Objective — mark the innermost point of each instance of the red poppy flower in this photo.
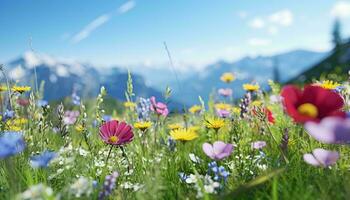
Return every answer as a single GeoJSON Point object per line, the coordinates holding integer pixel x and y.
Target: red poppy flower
{"type": "Point", "coordinates": [116, 133]}
{"type": "Point", "coordinates": [311, 104]}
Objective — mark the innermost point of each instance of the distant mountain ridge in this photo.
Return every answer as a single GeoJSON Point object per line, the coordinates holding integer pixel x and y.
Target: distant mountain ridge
{"type": "Point", "coordinates": [248, 69]}
{"type": "Point", "coordinates": [62, 77]}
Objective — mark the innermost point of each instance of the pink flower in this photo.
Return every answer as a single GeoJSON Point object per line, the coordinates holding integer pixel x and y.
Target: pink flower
{"type": "Point", "coordinates": [116, 133]}
{"type": "Point", "coordinates": [321, 157]}
{"type": "Point", "coordinates": [159, 107]}
{"type": "Point", "coordinates": [70, 117]}
{"type": "Point", "coordinates": [226, 92]}
{"type": "Point", "coordinates": [218, 150]}
{"type": "Point", "coordinates": [331, 130]}
{"type": "Point", "coordinates": [258, 144]}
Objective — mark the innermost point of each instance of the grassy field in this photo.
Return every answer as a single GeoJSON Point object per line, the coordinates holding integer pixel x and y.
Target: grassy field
{"type": "Point", "coordinates": [165, 159]}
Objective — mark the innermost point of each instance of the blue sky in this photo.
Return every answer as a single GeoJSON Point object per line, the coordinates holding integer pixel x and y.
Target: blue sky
{"type": "Point", "coordinates": [197, 32]}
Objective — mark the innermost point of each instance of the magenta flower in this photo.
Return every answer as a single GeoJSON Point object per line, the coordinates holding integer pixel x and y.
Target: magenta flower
{"type": "Point", "coordinates": [321, 157]}
{"type": "Point", "coordinates": [116, 133]}
{"type": "Point", "coordinates": [225, 92]}
{"type": "Point", "coordinates": [218, 150]}
{"type": "Point", "coordinates": [159, 107]}
{"type": "Point", "coordinates": [258, 144]}
{"type": "Point", "coordinates": [331, 130]}
{"type": "Point", "coordinates": [70, 117]}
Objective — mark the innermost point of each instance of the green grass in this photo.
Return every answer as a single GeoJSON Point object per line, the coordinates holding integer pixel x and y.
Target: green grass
{"type": "Point", "coordinates": [155, 167]}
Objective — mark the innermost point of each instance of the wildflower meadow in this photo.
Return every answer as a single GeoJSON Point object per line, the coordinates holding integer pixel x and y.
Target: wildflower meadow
{"type": "Point", "coordinates": [282, 142]}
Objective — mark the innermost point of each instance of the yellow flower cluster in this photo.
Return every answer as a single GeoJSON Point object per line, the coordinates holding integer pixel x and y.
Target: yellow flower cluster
{"type": "Point", "coordinates": [175, 126]}
{"type": "Point", "coordinates": [20, 89]}
{"type": "Point", "coordinates": [195, 109]}
{"type": "Point", "coordinates": [129, 104]}
{"type": "Point", "coordinates": [251, 87]}
{"type": "Point", "coordinates": [16, 124]}
{"type": "Point", "coordinates": [215, 123]}
{"type": "Point", "coordinates": [183, 134]}
{"type": "Point", "coordinates": [142, 125]}
{"type": "Point", "coordinates": [223, 106]}
{"type": "Point", "coordinates": [329, 85]}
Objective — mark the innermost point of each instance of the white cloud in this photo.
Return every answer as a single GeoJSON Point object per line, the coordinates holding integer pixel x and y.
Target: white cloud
{"type": "Point", "coordinates": [341, 9]}
{"type": "Point", "coordinates": [126, 7]}
{"type": "Point", "coordinates": [85, 32]}
{"type": "Point", "coordinates": [242, 14]}
{"type": "Point", "coordinates": [257, 23]}
{"type": "Point", "coordinates": [282, 18]}
{"type": "Point", "coordinates": [258, 42]}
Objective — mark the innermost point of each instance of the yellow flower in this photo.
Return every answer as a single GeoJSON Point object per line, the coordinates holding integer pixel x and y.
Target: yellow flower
{"type": "Point", "coordinates": [227, 77]}
{"type": "Point", "coordinates": [195, 109]}
{"type": "Point", "coordinates": [183, 134]}
{"type": "Point", "coordinates": [223, 106]}
{"type": "Point", "coordinates": [236, 110]}
{"type": "Point", "coordinates": [256, 103]}
{"type": "Point", "coordinates": [215, 123]}
{"type": "Point", "coordinates": [175, 126]}
{"type": "Point", "coordinates": [3, 88]}
{"type": "Point", "coordinates": [21, 89]}
{"type": "Point", "coordinates": [194, 128]}
{"type": "Point", "coordinates": [129, 104]}
{"type": "Point", "coordinates": [79, 128]}
{"type": "Point", "coordinates": [142, 125]}
{"type": "Point", "coordinates": [329, 85]}
{"type": "Point", "coordinates": [251, 87]}
{"type": "Point", "coordinates": [16, 124]}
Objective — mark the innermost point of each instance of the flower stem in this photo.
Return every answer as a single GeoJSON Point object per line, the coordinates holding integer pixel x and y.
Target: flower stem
{"type": "Point", "coordinates": [126, 157]}
{"type": "Point", "coordinates": [109, 153]}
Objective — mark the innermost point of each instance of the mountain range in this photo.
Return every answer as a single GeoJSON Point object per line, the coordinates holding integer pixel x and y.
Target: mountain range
{"type": "Point", "coordinates": [248, 69]}
{"type": "Point", "coordinates": [62, 76]}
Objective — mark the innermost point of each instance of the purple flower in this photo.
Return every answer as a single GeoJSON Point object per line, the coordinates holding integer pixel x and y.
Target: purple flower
{"type": "Point", "coordinates": [43, 159]}
{"type": "Point", "coordinates": [321, 157]}
{"type": "Point", "coordinates": [218, 150]}
{"type": "Point", "coordinates": [225, 92]}
{"type": "Point", "coordinates": [108, 185]}
{"type": "Point", "coordinates": [223, 113]}
{"type": "Point", "coordinates": [331, 130]}
{"type": "Point", "coordinates": [258, 144]}
{"type": "Point", "coordinates": [11, 143]}
{"type": "Point", "coordinates": [70, 117]}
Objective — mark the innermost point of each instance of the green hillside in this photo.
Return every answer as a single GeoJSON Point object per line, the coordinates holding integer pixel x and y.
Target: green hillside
{"type": "Point", "coordinates": [333, 67]}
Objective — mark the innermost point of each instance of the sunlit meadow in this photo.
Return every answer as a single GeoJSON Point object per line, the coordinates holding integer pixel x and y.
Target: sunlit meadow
{"type": "Point", "coordinates": [285, 143]}
{"type": "Point", "coordinates": [174, 100]}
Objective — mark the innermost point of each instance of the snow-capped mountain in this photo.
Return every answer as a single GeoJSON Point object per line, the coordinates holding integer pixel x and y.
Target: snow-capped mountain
{"type": "Point", "coordinates": [62, 76]}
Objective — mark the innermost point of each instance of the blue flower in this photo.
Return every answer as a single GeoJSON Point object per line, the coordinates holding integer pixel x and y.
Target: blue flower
{"type": "Point", "coordinates": [8, 114]}
{"type": "Point", "coordinates": [42, 103]}
{"type": "Point", "coordinates": [11, 143]}
{"type": "Point", "coordinates": [75, 99]}
{"type": "Point", "coordinates": [43, 159]}
{"type": "Point", "coordinates": [107, 118]}
{"type": "Point", "coordinates": [143, 109]}
{"type": "Point", "coordinates": [183, 176]}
